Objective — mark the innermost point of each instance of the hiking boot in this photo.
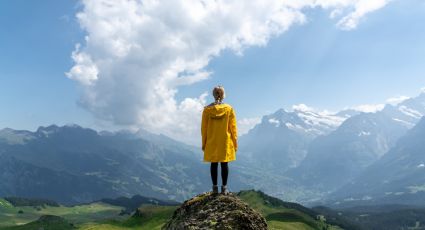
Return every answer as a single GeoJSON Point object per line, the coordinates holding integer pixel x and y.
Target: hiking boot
{"type": "Point", "coordinates": [224, 190]}
{"type": "Point", "coordinates": [214, 189]}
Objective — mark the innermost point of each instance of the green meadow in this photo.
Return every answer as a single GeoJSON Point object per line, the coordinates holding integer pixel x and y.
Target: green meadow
{"type": "Point", "coordinates": [101, 216]}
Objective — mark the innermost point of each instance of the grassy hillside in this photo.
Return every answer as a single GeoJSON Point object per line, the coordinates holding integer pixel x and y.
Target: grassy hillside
{"type": "Point", "coordinates": [101, 216]}
{"type": "Point", "coordinates": [388, 217]}
{"type": "Point", "coordinates": [10, 215]}
{"type": "Point", "coordinates": [283, 215]}
{"type": "Point", "coordinates": [46, 222]}
{"type": "Point", "coordinates": [147, 217]}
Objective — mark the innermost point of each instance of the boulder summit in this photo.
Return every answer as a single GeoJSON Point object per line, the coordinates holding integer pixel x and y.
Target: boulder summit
{"type": "Point", "coordinates": [208, 211]}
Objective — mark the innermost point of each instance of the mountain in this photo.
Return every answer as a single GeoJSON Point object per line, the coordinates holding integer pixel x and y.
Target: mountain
{"type": "Point", "coordinates": [278, 143]}
{"type": "Point", "coordinates": [19, 178]}
{"type": "Point", "coordinates": [339, 157]}
{"type": "Point", "coordinates": [72, 164]}
{"type": "Point", "coordinates": [281, 140]}
{"type": "Point", "coordinates": [408, 112]}
{"type": "Point", "coordinates": [335, 159]}
{"type": "Point", "coordinates": [398, 177]}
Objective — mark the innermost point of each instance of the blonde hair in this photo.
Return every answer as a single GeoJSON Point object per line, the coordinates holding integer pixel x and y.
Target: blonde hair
{"type": "Point", "coordinates": [218, 93]}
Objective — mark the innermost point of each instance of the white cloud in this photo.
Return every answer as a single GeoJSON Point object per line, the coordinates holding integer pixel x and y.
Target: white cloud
{"type": "Point", "coordinates": [85, 71]}
{"type": "Point", "coordinates": [369, 108]}
{"type": "Point", "coordinates": [245, 124]}
{"type": "Point", "coordinates": [423, 90]}
{"type": "Point", "coordinates": [396, 100]}
{"type": "Point", "coordinates": [361, 8]}
{"type": "Point", "coordinates": [136, 54]}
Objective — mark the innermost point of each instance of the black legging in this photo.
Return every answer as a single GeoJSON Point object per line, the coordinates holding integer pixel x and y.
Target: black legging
{"type": "Point", "coordinates": [224, 172]}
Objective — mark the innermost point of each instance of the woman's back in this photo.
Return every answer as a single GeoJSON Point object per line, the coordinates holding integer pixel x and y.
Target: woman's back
{"type": "Point", "coordinates": [219, 133]}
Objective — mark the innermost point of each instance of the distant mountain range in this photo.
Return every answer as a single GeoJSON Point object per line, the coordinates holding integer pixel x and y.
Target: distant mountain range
{"type": "Point", "coordinates": [339, 157]}
{"type": "Point", "coordinates": [397, 177]}
{"type": "Point", "coordinates": [281, 140]}
{"type": "Point", "coordinates": [298, 155]}
{"type": "Point", "coordinates": [336, 159]}
{"type": "Point", "coordinates": [316, 154]}
{"type": "Point", "coordinates": [72, 164]}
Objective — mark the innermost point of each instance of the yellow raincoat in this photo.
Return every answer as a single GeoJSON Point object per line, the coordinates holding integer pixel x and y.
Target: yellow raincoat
{"type": "Point", "coordinates": [219, 133]}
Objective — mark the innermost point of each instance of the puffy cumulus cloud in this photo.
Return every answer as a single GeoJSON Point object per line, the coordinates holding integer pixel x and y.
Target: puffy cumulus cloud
{"type": "Point", "coordinates": [86, 71]}
{"type": "Point", "coordinates": [245, 124]}
{"type": "Point", "coordinates": [396, 100]}
{"type": "Point", "coordinates": [136, 53]}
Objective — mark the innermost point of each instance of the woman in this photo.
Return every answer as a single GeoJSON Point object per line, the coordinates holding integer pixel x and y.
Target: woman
{"type": "Point", "coordinates": [219, 137]}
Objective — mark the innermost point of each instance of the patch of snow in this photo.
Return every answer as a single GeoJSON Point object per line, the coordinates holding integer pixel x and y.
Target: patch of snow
{"type": "Point", "coordinates": [363, 133]}
{"type": "Point", "coordinates": [367, 198]}
{"type": "Point", "coordinates": [296, 127]}
{"type": "Point", "coordinates": [408, 124]}
{"type": "Point", "coordinates": [289, 125]}
{"type": "Point", "coordinates": [315, 119]}
{"type": "Point", "coordinates": [302, 108]}
{"type": "Point", "coordinates": [416, 189]}
{"type": "Point", "coordinates": [274, 121]}
{"type": "Point", "coordinates": [307, 120]}
{"type": "Point", "coordinates": [369, 108]}
{"type": "Point", "coordinates": [410, 112]}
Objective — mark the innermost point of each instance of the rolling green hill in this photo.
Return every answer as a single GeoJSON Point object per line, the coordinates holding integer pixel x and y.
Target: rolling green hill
{"type": "Point", "coordinates": [11, 216]}
{"type": "Point", "coordinates": [46, 222]}
{"type": "Point", "coordinates": [283, 215]}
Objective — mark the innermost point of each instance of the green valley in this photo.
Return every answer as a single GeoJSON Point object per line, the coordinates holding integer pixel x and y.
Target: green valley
{"type": "Point", "coordinates": [99, 215]}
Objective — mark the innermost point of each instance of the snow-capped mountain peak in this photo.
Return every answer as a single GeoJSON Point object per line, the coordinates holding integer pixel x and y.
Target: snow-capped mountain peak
{"type": "Point", "coordinates": [304, 119]}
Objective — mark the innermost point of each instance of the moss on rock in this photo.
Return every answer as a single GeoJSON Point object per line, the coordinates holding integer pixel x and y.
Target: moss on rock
{"type": "Point", "coordinates": [208, 211]}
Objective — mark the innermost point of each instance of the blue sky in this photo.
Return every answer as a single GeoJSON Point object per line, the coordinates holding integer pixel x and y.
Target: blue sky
{"type": "Point", "coordinates": [327, 68]}
{"type": "Point", "coordinates": [316, 63]}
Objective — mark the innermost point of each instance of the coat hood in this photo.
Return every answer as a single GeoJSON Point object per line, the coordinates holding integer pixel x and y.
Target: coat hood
{"type": "Point", "coordinates": [217, 111]}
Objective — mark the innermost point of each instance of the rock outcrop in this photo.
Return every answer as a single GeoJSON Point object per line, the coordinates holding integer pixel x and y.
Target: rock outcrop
{"type": "Point", "coordinates": [208, 211]}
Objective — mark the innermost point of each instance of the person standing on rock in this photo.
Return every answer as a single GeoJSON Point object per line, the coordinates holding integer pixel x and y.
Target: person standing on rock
{"type": "Point", "coordinates": [219, 137]}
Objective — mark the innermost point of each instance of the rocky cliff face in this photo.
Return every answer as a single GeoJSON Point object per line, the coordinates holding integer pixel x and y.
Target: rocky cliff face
{"type": "Point", "coordinates": [208, 211]}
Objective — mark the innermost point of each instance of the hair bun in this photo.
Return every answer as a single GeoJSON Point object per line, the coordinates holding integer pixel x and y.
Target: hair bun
{"type": "Point", "coordinates": [219, 93]}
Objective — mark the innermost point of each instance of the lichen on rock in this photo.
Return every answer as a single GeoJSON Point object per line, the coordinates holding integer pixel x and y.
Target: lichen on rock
{"type": "Point", "coordinates": [209, 211]}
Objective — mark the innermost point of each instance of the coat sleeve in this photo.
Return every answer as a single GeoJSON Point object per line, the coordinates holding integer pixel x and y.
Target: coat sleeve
{"type": "Point", "coordinates": [233, 129]}
{"type": "Point", "coordinates": [204, 126]}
